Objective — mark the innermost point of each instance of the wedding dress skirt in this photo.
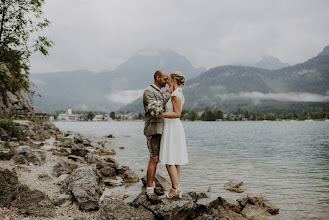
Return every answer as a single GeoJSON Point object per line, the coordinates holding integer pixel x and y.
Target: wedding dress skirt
{"type": "Point", "coordinates": [173, 144]}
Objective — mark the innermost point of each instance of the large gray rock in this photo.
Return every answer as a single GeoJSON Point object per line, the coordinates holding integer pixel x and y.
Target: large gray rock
{"type": "Point", "coordinates": [119, 210]}
{"type": "Point", "coordinates": [63, 167]}
{"type": "Point", "coordinates": [83, 183]}
{"type": "Point", "coordinates": [184, 208]}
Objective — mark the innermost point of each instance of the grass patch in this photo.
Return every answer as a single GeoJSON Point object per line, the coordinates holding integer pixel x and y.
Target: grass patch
{"type": "Point", "coordinates": [25, 187]}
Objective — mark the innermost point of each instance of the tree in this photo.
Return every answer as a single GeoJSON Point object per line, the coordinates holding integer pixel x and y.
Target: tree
{"type": "Point", "coordinates": [19, 21]}
{"type": "Point", "coordinates": [218, 113]}
{"type": "Point", "coordinates": [112, 115]}
{"type": "Point", "coordinates": [207, 115]}
{"type": "Point", "coordinates": [90, 116]}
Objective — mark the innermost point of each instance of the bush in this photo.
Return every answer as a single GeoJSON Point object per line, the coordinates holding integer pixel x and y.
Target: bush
{"type": "Point", "coordinates": [12, 129]}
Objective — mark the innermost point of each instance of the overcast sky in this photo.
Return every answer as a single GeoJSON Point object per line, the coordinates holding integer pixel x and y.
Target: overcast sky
{"type": "Point", "coordinates": [100, 34]}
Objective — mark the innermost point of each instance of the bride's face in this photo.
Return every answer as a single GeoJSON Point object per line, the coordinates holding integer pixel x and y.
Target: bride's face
{"type": "Point", "coordinates": [171, 81]}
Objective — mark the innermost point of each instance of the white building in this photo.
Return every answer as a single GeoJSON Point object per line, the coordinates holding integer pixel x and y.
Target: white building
{"type": "Point", "coordinates": [68, 116]}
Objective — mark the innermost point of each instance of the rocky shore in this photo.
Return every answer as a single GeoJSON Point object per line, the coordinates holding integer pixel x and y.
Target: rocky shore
{"type": "Point", "coordinates": [46, 173]}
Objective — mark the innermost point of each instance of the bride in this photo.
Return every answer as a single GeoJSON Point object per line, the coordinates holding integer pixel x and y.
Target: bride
{"type": "Point", "coordinates": [173, 151]}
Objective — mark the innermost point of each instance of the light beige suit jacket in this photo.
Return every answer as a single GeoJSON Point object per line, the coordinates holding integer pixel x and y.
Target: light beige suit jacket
{"type": "Point", "coordinates": [153, 125]}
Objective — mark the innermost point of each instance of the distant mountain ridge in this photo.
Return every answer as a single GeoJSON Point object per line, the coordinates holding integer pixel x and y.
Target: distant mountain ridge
{"type": "Point", "coordinates": [232, 87]}
{"type": "Point", "coordinates": [85, 90]}
{"type": "Point", "coordinates": [270, 63]}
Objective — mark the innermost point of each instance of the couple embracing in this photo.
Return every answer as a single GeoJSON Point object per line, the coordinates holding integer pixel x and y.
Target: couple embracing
{"type": "Point", "coordinates": [165, 133]}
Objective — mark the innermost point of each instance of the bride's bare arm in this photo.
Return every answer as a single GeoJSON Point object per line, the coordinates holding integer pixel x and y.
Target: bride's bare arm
{"type": "Point", "coordinates": [176, 103]}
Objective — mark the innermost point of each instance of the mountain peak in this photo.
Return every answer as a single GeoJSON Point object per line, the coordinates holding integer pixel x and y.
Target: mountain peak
{"type": "Point", "coordinates": [325, 51]}
{"type": "Point", "coordinates": [270, 62]}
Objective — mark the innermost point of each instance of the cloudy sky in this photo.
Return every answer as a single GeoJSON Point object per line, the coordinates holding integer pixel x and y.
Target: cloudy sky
{"type": "Point", "coordinates": [100, 34]}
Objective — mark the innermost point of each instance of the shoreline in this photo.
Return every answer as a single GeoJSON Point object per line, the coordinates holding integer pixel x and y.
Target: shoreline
{"type": "Point", "coordinates": [60, 146]}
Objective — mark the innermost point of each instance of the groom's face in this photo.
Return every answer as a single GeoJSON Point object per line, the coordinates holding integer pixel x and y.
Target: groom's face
{"type": "Point", "coordinates": [163, 79]}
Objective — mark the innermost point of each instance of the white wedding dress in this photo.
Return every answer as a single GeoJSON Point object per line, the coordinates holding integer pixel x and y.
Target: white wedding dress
{"type": "Point", "coordinates": [173, 144]}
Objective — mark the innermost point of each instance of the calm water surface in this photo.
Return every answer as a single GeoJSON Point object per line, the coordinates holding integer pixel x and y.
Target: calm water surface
{"type": "Point", "coordinates": [287, 162]}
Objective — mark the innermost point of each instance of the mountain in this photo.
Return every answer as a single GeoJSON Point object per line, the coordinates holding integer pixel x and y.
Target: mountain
{"type": "Point", "coordinates": [235, 87]}
{"type": "Point", "coordinates": [270, 63]}
{"type": "Point", "coordinates": [106, 91]}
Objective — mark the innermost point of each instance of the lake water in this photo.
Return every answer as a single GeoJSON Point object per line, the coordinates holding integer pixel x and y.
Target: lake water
{"type": "Point", "coordinates": [286, 162]}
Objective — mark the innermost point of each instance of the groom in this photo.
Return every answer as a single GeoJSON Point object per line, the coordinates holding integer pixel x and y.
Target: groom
{"type": "Point", "coordinates": [153, 128]}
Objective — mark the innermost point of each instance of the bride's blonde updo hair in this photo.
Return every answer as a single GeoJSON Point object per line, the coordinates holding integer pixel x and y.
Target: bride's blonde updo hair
{"type": "Point", "coordinates": [180, 78]}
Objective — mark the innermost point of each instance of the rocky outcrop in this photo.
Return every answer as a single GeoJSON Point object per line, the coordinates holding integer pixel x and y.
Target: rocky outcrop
{"type": "Point", "coordinates": [34, 203]}
{"type": "Point", "coordinates": [27, 156]}
{"type": "Point", "coordinates": [251, 206]}
{"type": "Point", "coordinates": [191, 206]}
{"type": "Point", "coordinates": [83, 183]}
{"type": "Point", "coordinates": [8, 186]}
{"type": "Point", "coordinates": [119, 210]}
{"type": "Point", "coordinates": [12, 193]}
{"type": "Point", "coordinates": [10, 100]}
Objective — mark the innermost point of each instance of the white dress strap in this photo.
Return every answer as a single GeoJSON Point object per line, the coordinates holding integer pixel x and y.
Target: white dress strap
{"type": "Point", "coordinates": [178, 93]}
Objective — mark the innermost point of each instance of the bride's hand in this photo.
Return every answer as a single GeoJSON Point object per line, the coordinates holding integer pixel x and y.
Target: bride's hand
{"type": "Point", "coordinates": [158, 116]}
{"type": "Point", "coordinates": [169, 89]}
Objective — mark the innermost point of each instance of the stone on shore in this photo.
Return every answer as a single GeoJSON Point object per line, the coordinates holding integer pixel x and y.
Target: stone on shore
{"type": "Point", "coordinates": [130, 177]}
{"type": "Point", "coordinates": [27, 156]}
{"type": "Point", "coordinates": [34, 203]}
{"type": "Point", "coordinates": [119, 210]}
{"type": "Point", "coordinates": [255, 212]}
{"type": "Point", "coordinates": [188, 207]}
{"type": "Point", "coordinates": [272, 209]}
{"type": "Point", "coordinates": [83, 183]}
{"type": "Point", "coordinates": [63, 200]}
{"type": "Point", "coordinates": [6, 154]}
{"type": "Point", "coordinates": [8, 186]}
{"type": "Point", "coordinates": [251, 206]}
{"type": "Point", "coordinates": [79, 150]}
{"type": "Point", "coordinates": [161, 183]}
{"type": "Point", "coordinates": [235, 186]}
{"type": "Point", "coordinates": [63, 167]}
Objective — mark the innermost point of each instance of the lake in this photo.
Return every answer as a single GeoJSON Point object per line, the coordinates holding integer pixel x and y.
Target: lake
{"type": "Point", "coordinates": [287, 162]}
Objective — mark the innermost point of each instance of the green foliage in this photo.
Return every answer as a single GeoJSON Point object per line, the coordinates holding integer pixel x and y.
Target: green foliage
{"type": "Point", "coordinates": [11, 128]}
{"type": "Point", "coordinates": [19, 21]}
{"type": "Point", "coordinates": [90, 116]}
{"type": "Point", "coordinates": [25, 187]}
{"type": "Point", "coordinates": [6, 144]}
{"type": "Point", "coordinates": [191, 115]}
{"type": "Point", "coordinates": [112, 115]}
{"type": "Point", "coordinates": [211, 115]}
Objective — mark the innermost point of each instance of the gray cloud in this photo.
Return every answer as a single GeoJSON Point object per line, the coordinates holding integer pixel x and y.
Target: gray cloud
{"type": "Point", "coordinates": [100, 34]}
{"type": "Point", "coordinates": [124, 97]}
{"type": "Point", "coordinates": [290, 96]}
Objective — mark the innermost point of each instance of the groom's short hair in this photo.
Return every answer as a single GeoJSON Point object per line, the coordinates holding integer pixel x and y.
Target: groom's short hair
{"type": "Point", "coordinates": [158, 73]}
